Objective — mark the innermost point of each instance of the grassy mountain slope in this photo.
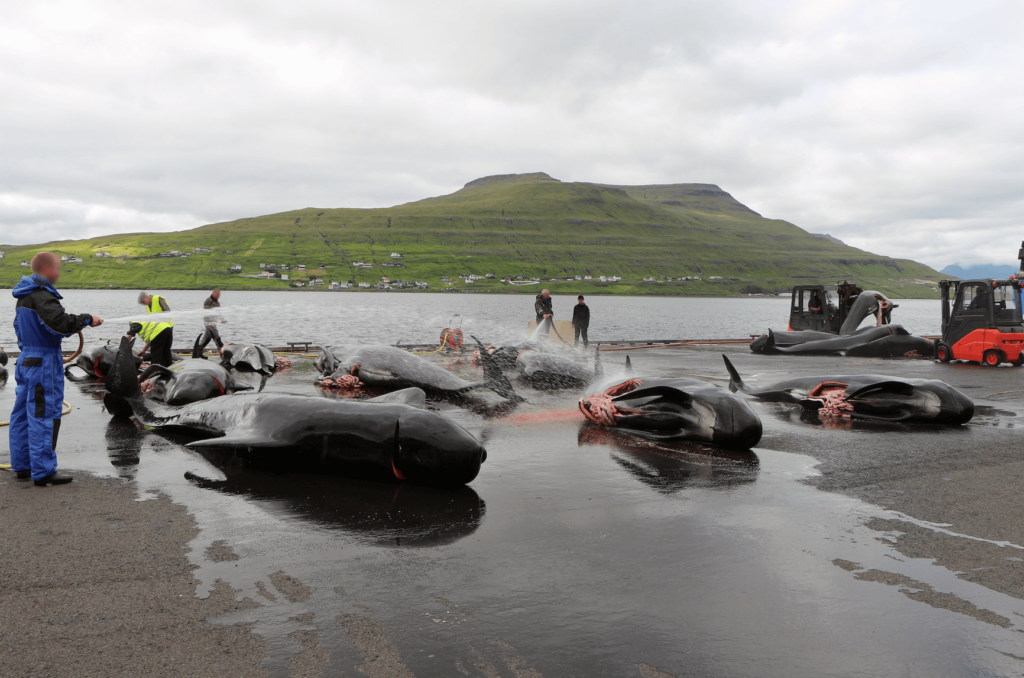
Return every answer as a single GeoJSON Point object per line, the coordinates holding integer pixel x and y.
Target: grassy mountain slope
{"type": "Point", "coordinates": [527, 224]}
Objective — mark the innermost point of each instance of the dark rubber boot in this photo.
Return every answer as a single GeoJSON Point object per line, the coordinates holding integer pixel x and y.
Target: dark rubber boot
{"type": "Point", "coordinates": [24, 475]}
{"type": "Point", "coordinates": [54, 479]}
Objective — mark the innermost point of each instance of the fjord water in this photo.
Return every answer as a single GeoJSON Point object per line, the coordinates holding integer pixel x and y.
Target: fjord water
{"type": "Point", "coordinates": [274, 318]}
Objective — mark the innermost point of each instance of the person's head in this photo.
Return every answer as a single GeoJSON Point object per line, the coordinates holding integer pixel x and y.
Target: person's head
{"type": "Point", "coordinates": [545, 294]}
{"type": "Point", "coordinates": [579, 299]}
{"type": "Point", "coordinates": [215, 294]}
{"type": "Point", "coordinates": [145, 298]}
{"type": "Point", "coordinates": [46, 265]}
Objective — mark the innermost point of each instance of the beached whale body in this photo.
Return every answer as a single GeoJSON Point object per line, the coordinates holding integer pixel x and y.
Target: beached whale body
{"type": "Point", "coordinates": [886, 341]}
{"type": "Point", "coordinates": [866, 396]}
{"type": "Point", "coordinates": [674, 409]}
{"type": "Point", "coordinates": [548, 370]}
{"type": "Point", "coordinates": [384, 437]}
{"type": "Point", "coordinates": [189, 381]}
{"type": "Point", "coordinates": [251, 357]}
{"type": "Point", "coordinates": [96, 361]}
{"type": "Point", "coordinates": [388, 367]}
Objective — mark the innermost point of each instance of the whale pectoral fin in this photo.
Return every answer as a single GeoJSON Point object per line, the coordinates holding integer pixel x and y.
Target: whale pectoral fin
{"type": "Point", "coordinates": [241, 386]}
{"type": "Point", "coordinates": [237, 441]}
{"type": "Point", "coordinates": [897, 387]}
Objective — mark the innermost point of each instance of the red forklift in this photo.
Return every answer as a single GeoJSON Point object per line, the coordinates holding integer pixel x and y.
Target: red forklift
{"type": "Point", "coordinates": [813, 309]}
{"type": "Point", "coordinates": [984, 324]}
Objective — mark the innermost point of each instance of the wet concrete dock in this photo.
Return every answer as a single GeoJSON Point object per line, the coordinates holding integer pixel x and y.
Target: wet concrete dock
{"type": "Point", "coordinates": [830, 550]}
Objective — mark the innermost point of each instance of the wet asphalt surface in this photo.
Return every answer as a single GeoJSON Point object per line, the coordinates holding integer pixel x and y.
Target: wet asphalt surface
{"type": "Point", "coordinates": [829, 550]}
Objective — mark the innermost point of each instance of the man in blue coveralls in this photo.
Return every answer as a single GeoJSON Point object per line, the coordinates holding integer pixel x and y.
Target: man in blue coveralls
{"type": "Point", "coordinates": [41, 325]}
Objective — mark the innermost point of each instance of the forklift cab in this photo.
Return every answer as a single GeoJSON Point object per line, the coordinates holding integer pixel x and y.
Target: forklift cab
{"type": "Point", "coordinates": [813, 309]}
{"type": "Point", "coordinates": [983, 323]}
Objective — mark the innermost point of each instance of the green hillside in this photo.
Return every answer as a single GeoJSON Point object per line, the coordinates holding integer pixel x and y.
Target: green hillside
{"type": "Point", "coordinates": [528, 225]}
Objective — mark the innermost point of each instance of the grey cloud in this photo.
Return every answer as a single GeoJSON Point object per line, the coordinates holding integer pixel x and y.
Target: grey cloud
{"type": "Point", "coordinates": [894, 126]}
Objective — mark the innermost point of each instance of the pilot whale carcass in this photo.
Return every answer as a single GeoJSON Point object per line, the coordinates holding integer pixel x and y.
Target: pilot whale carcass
{"type": "Point", "coordinates": [885, 341]}
{"type": "Point", "coordinates": [189, 381]}
{"type": "Point", "coordinates": [866, 396]}
{"type": "Point", "coordinates": [673, 409]}
{"type": "Point", "coordinates": [250, 357]}
{"type": "Point", "coordinates": [384, 436]}
{"type": "Point", "coordinates": [96, 361]}
{"type": "Point", "coordinates": [389, 367]}
{"type": "Point", "coordinates": [548, 370]}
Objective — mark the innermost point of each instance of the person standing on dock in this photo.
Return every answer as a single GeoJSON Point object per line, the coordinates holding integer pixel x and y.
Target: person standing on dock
{"type": "Point", "coordinates": [580, 321]}
{"type": "Point", "coordinates": [158, 334]}
{"type": "Point", "coordinates": [41, 325]}
{"type": "Point", "coordinates": [543, 306]}
{"type": "Point", "coordinates": [210, 331]}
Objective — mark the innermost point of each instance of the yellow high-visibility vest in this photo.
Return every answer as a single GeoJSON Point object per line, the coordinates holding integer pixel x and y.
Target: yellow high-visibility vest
{"type": "Point", "coordinates": [150, 330]}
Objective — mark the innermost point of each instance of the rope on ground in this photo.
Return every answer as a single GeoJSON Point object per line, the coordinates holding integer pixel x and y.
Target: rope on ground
{"type": "Point", "coordinates": [66, 410]}
{"type": "Point", "coordinates": [440, 348]}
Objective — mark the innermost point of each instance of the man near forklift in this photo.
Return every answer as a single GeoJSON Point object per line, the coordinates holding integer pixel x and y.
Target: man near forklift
{"type": "Point", "coordinates": [979, 303]}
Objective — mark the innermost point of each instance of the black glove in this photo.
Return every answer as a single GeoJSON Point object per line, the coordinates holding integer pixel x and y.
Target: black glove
{"type": "Point", "coordinates": [134, 329]}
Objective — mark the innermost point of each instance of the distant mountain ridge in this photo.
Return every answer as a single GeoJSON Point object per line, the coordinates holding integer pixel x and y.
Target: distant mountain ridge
{"type": "Point", "coordinates": [529, 225]}
{"type": "Point", "coordinates": [981, 271]}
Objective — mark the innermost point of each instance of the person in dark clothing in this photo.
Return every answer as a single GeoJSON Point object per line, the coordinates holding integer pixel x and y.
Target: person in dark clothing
{"type": "Point", "coordinates": [41, 325]}
{"type": "Point", "coordinates": [980, 299]}
{"type": "Point", "coordinates": [581, 321]}
{"type": "Point", "coordinates": [210, 332]}
{"type": "Point", "coordinates": [542, 306]}
{"type": "Point", "coordinates": [158, 335]}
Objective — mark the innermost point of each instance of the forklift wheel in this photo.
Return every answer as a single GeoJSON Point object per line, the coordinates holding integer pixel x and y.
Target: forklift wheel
{"type": "Point", "coordinates": [943, 353]}
{"type": "Point", "coordinates": [1019, 361]}
{"type": "Point", "coordinates": [992, 357]}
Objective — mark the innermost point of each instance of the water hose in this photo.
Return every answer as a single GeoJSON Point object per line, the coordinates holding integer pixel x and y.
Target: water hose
{"type": "Point", "coordinates": [81, 345]}
{"type": "Point", "coordinates": [65, 410]}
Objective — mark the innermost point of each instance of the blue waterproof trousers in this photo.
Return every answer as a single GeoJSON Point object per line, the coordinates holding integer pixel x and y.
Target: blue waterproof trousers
{"type": "Point", "coordinates": [35, 421]}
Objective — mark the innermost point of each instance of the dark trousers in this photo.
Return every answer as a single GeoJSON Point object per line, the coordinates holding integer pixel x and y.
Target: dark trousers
{"type": "Point", "coordinates": [160, 348]}
{"type": "Point", "coordinates": [580, 332]}
{"type": "Point", "coordinates": [211, 333]}
{"type": "Point", "coordinates": [35, 420]}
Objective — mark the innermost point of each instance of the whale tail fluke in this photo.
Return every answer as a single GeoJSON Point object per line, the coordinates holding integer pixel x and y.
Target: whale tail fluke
{"type": "Point", "coordinates": [494, 378]}
{"type": "Point", "coordinates": [735, 380]}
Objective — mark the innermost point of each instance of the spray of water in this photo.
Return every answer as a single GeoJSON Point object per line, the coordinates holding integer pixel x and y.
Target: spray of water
{"type": "Point", "coordinates": [169, 317]}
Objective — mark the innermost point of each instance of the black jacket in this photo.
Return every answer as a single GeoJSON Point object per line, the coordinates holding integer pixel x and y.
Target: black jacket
{"type": "Point", "coordinates": [49, 309]}
{"type": "Point", "coordinates": [581, 315]}
{"type": "Point", "coordinates": [543, 307]}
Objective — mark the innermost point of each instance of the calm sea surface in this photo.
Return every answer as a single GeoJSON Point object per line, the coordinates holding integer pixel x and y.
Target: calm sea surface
{"type": "Point", "coordinates": [274, 318]}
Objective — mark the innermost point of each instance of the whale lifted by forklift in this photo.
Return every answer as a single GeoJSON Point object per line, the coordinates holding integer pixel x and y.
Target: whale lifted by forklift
{"type": "Point", "coordinates": [984, 322]}
{"type": "Point", "coordinates": [817, 326]}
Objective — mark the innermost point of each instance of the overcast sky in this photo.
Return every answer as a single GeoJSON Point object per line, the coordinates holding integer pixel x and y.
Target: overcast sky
{"type": "Point", "coordinates": [897, 127]}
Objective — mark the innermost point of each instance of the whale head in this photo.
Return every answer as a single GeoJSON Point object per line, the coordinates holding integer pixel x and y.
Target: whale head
{"type": "Point", "coordinates": [431, 448]}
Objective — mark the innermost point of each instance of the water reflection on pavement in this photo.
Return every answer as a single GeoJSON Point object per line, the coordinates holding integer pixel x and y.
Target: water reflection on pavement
{"type": "Point", "coordinates": [582, 551]}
